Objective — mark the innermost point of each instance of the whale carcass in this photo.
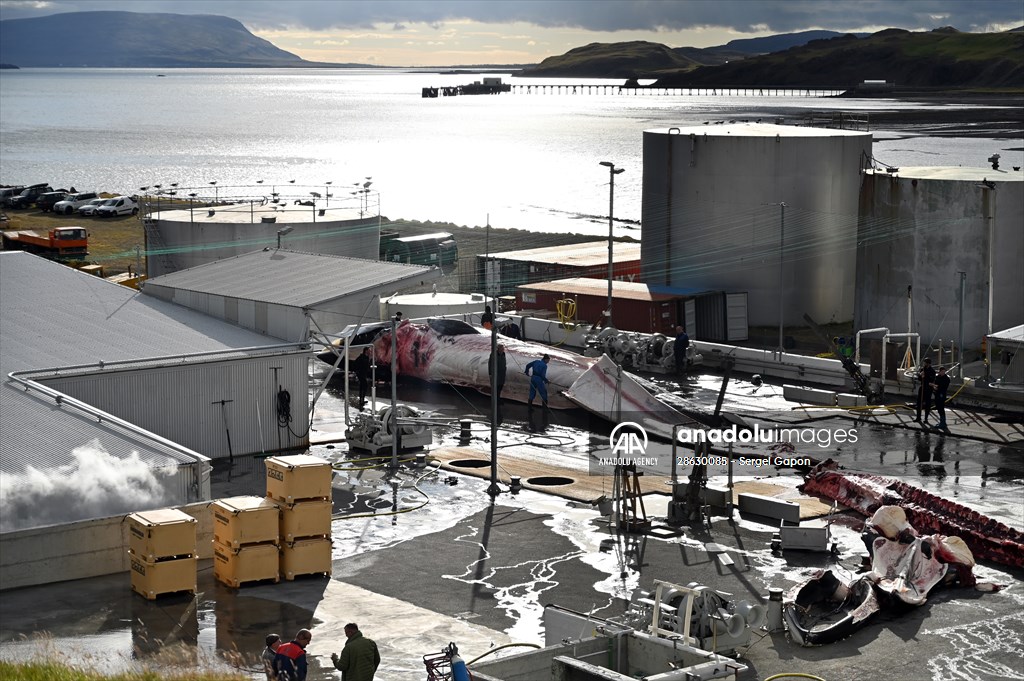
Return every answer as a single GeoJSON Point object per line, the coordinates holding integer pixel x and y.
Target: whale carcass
{"type": "Point", "coordinates": [454, 352]}
{"type": "Point", "coordinates": [905, 567]}
{"type": "Point", "coordinates": [987, 538]}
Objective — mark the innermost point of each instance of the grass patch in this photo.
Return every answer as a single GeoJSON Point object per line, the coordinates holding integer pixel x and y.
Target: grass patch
{"type": "Point", "coordinates": [55, 671]}
{"type": "Point", "coordinates": [112, 241]}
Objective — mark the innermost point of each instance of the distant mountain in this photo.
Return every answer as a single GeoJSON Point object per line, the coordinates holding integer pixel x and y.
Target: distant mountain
{"type": "Point", "coordinates": [639, 59]}
{"type": "Point", "coordinates": [943, 58]}
{"type": "Point", "coordinates": [130, 39]}
{"type": "Point", "coordinates": [777, 43]}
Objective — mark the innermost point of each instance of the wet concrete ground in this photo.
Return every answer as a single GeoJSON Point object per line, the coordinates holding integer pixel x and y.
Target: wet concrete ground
{"type": "Point", "coordinates": [461, 567]}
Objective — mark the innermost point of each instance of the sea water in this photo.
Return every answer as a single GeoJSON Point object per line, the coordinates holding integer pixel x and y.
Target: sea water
{"type": "Point", "coordinates": [527, 161]}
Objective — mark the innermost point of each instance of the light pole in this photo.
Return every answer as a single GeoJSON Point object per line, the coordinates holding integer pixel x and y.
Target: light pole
{"type": "Point", "coordinates": [782, 242]}
{"type": "Point", "coordinates": [612, 172]}
{"type": "Point", "coordinates": [280, 233]}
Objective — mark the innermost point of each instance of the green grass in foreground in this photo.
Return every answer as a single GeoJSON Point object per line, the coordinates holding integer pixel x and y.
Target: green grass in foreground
{"type": "Point", "coordinates": [53, 671]}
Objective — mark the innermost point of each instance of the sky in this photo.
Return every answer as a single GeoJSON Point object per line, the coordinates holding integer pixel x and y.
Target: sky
{"type": "Point", "coordinates": [477, 32]}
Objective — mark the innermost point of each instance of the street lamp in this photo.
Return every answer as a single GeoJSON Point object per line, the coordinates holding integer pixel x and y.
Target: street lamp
{"type": "Point", "coordinates": [612, 172]}
{"type": "Point", "coordinates": [280, 233]}
{"type": "Point", "coordinates": [782, 241]}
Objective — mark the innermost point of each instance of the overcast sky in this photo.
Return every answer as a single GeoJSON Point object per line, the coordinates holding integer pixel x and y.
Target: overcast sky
{"type": "Point", "coordinates": [450, 32]}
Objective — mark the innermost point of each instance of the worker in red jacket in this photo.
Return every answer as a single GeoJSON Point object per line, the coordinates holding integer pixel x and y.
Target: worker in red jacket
{"type": "Point", "coordinates": [290, 661]}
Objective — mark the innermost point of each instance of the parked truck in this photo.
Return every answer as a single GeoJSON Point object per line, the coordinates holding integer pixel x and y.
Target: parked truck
{"type": "Point", "coordinates": [61, 243]}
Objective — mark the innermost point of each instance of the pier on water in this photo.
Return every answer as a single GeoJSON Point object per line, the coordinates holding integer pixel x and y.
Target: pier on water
{"type": "Point", "coordinates": [655, 91]}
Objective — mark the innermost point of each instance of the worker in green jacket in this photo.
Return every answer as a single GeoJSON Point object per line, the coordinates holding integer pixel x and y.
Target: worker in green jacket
{"type": "Point", "coordinates": [359, 658]}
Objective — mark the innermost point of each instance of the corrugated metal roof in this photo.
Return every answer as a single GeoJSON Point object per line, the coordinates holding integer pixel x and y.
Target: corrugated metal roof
{"type": "Point", "coordinates": [575, 255]}
{"type": "Point", "coordinates": [627, 290]}
{"type": "Point", "coordinates": [1014, 334]}
{"type": "Point", "coordinates": [292, 278]}
{"type": "Point", "coordinates": [55, 316]}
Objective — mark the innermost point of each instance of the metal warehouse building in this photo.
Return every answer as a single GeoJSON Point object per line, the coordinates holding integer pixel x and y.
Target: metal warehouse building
{"type": "Point", "coordinates": [921, 228]}
{"type": "Point", "coordinates": [714, 219]}
{"type": "Point", "coordinates": [114, 401]}
{"type": "Point", "coordinates": [291, 295]}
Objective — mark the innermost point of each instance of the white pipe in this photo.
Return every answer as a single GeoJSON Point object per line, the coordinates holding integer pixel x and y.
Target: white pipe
{"type": "Point", "coordinates": [856, 352]}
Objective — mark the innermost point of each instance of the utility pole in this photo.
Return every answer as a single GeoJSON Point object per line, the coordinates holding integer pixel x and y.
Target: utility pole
{"type": "Point", "coordinates": [612, 172]}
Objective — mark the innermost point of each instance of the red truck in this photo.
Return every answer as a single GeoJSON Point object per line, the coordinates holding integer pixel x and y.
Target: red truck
{"type": "Point", "coordinates": [62, 243]}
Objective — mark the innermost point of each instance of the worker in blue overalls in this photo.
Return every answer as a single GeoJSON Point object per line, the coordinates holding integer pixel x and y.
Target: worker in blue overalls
{"type": "Point", "coordinates": [537, 370]}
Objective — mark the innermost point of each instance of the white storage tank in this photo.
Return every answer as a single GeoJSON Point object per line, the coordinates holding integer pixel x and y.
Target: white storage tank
{"type": "Point", "coordinates": [713, 219]}
{"type": "Point", "coordinates": [182, 238]}
{"type": "Point", "coordinates": [920, 228]}
{"type": "Point", "coordinates": [419, 305]}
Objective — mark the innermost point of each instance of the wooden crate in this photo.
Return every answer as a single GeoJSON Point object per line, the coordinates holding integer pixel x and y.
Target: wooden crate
{"type": "Point", "coordinates": [238, 521]}
{"type": "Point", "coordinates": [253, 563]}
{"type": "Point", "coordinates": [152, 579]}
{"type": "Point", "coordinates": [306, 557]}
{"type": "Point", "coordinates": [291, 478]}
{"type": "Point", "coordinates": [163, 533]}
{"type": "Point", "coordinates": [305, 519]}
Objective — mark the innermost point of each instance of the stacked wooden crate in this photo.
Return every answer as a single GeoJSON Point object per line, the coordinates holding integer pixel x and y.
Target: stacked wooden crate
{"type": "Point", "coordinates": [300, 486]}
{"type": "Point", "coordinates": [162, 552]}
{"type": "Point", "coordinates": [245, 540]}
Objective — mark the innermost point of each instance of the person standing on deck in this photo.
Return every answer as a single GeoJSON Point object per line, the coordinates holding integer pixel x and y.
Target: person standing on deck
{"type": "Point", "coordinates": [538, 379]}
{"type": "Point", "coordinates": [941, 387]}
{"type": "Point", "coordinates": [924, 393]}
{"type": "Point", "coordinates": [679, 350]}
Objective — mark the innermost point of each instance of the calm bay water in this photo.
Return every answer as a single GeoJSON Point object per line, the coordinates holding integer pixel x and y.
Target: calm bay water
{"type": "Point", "coordinates": [526, 161]}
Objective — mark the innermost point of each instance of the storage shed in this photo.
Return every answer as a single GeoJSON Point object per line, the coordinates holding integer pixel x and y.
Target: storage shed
{"type": "Point", "coordinates": [634, 306]}
{"type": "Point", "coordinates": [500, 273]}
{"type": "Point", "coordinates": [116, 402]}
{"type": "Point", "coordinates": [291, 295]}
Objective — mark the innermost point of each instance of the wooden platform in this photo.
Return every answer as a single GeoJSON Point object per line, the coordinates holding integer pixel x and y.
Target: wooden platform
{"type": "Point", "coordinates": [586, 488]}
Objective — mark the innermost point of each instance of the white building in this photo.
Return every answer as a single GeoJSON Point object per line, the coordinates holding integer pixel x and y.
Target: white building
{"type": "Point", "coordinates": [116, 402]}
{"type": "Point", "coordinates": [291, 295]}
{"type": "Point", "coordinates": [714, 219]}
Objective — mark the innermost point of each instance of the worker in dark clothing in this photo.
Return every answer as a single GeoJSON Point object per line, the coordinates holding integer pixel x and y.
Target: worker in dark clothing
{"type": "Point", "coordinates": [679, 350]}
{"type": "Point", "coordinates": [502, 366]}
{"type": "Point", "coordinates": [924, 393]}
{"type": "Point", "coordinates": [290, 661]}
{"type": "Point", "coordinates": [941, 387]}
{"type": "Point", "coordinates": [487, 318]}
{"type": "Point", "coordinates": [359, 658]}
{"type": "Point", "coordinates": [537, 370]}
{"type": "Point", "coordinates": [361, 367]}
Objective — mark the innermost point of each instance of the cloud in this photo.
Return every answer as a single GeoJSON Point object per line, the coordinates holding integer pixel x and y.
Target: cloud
{"type": "Point", "coordinates": [94, 485]}
{"type": "Point", "coordinates": [742, 16]}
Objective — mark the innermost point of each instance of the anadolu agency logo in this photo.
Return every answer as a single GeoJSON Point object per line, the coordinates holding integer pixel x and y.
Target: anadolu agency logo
{"type": "Point", "coordinates": [629, 446]}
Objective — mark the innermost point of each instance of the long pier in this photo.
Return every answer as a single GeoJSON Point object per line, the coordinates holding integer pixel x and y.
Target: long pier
{"type": "Point", "coordinates": [657, 91]}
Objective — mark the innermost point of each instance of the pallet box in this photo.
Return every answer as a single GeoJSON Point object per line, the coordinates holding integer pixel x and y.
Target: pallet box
{"type": "Point", "coordinates": [306, 557]}
{"type": "Point", "coordinates": [163, 533]}
{"type": "Point", "coordinates": [253, 563]}
{"type": "Point", "coordinates": [291, 478]}
{"type": "Point", "coordinates": [304, 519]}
{"type": "Point", "coordinates": [238, 521]}
{"type": "Point", "coordinates": [151, 579]}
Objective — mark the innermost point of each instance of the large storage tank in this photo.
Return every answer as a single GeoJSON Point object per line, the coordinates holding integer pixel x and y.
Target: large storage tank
{"type": "Point", "coordinates": [182, 238]}
{"type": "Point", "coordinates": [922, 227]}
{"type": "Point", "coordinates": [713, 219]}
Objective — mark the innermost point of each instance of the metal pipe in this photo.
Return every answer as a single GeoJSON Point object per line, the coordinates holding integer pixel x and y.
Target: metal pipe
{"type": "Point", "coordinates": [393, 417]}
{"type": "Point", "coordinates": [856, 347]}
{"type": "Point", "coordinates": [782, 246]}
{"type": "Point", "coordinates": [960, 336]}
{"type": "Point", "coordinates": [612, 172]}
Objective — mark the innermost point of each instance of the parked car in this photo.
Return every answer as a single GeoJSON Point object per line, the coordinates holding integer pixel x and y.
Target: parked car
{"type": "Point", "coordinates": [29, 195]}
{"type": "Point", "coordinates": [73, 202]}
{"type": "Point", "coordinates": [119, 205]}
{"type": "Point", "coordinates": [8, 193]}
{"type": "Point", "coordinates": [90, 207]}
{"type": "Point", "coordinates": [46, 201]}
